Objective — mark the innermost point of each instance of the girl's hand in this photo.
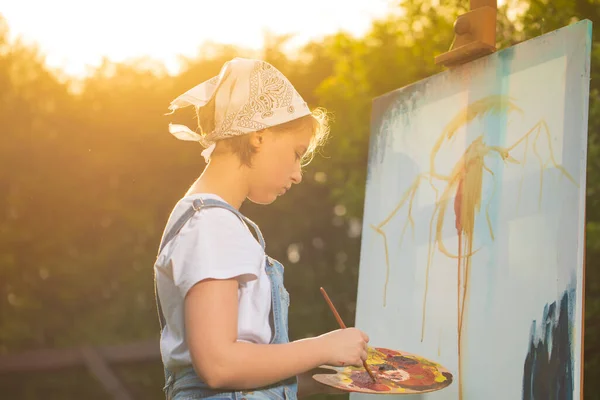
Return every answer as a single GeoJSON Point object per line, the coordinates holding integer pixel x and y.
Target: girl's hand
{"type": "Point", "coordinates": [344, 347]}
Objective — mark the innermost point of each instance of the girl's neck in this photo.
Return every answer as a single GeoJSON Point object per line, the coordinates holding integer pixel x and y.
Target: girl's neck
{"type": "Point", "coordinates": [224, 177]}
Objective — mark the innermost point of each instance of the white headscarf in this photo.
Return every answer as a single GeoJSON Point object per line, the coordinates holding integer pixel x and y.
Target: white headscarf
{"type": "Point", "coordinates": [250, 95]}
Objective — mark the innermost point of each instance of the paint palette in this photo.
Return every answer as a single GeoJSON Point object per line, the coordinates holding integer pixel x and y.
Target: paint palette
{"type": "Point", "coordinates": [396, 372]}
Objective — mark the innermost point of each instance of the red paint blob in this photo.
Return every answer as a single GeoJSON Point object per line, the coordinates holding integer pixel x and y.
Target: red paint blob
{"type": "Point", "coordinates": [364, 381]}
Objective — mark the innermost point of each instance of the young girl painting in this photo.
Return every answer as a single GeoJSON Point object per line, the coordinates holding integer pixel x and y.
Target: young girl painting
{"type": "Point", "coordinates": [221, 300]}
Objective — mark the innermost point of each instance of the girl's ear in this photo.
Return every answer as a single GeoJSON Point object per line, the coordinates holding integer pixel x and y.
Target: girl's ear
{"type": "Point", "coordinates": [257, 139]}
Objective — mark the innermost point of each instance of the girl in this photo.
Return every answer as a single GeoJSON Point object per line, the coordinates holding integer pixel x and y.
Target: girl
{"type": "Point", "coordinates": [221, 300]}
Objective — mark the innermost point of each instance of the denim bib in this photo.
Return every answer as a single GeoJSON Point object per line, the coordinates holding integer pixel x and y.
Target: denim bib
{"type": "Point", "coordinates": [183, 383]}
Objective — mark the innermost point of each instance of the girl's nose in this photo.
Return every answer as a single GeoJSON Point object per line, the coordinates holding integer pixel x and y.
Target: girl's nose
{"type": "Point", "coordinates": [297, 175]}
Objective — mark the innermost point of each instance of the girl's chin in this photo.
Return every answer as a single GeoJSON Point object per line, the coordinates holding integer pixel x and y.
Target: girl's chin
{"type": "Point", "coordinates": [264, 199]}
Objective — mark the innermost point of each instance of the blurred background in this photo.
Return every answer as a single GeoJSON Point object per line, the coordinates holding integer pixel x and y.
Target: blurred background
{"type": "Point", "coordinates": [89, 172]}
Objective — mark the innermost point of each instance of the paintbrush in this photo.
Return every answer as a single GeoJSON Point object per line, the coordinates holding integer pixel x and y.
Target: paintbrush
{"type": "Point", "coordinates": [343, 326]}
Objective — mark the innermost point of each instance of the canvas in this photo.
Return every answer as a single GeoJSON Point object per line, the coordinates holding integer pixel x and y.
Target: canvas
{"type": "Point", "coordinates": [473, 232]}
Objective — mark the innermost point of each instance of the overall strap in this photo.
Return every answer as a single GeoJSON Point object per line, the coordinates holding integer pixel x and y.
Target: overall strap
{"type": "Point", "coordinates": [197, 205]}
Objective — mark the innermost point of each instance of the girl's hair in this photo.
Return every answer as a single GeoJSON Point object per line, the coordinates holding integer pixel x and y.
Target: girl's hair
{"type": "Point", "coordinates": [317, 122]}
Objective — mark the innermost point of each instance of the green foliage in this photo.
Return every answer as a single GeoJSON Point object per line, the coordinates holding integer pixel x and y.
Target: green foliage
{"type": "Point", "coordinates": [89, 176]}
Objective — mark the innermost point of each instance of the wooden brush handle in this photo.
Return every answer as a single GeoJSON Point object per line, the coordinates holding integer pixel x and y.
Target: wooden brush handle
{"type": "Point", "coordinates": [333, 310]}
{"type": "Point", "coordinates": [343, 326]}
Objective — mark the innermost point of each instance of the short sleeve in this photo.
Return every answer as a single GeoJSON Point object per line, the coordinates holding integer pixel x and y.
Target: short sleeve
{"type": "Point", "coordinates": [215, 244]}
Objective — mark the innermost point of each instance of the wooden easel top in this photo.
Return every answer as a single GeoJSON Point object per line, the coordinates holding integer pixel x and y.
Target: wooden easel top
{"type": "Point", "coordinates": [475, 34]}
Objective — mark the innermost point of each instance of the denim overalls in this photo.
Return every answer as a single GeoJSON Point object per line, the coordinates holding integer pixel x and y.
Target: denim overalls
{"type": "Point", "coordinates": [183, 383]}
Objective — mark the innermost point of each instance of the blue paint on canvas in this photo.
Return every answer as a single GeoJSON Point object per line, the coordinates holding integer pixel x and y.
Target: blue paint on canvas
{"type": "Point", "coordinates": [548, 369]}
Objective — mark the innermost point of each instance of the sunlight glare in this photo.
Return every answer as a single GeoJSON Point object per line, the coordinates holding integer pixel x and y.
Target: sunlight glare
{"type": "Point", "coordinates": [76, 35]}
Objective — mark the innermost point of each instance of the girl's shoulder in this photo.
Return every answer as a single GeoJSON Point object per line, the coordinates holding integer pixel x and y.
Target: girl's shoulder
{"type": "Point", "coordinates": [213, 223]}
{"type": "Point", "coordinates": [214, 213]}
{"type": "Point", "coordinates": [211, 230]}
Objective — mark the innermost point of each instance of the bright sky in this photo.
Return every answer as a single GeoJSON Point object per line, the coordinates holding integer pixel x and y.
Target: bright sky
{"type": "Point", "coordinates": [73, 34]}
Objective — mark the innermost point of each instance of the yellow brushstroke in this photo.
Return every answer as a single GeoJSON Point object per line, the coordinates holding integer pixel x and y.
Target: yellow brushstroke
{"type": "Point", "coordinates": [375, 357]}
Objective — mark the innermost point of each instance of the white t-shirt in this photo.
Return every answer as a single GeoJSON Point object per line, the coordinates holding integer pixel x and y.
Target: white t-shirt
{"type": "Point", "coordinates": [216, 244]}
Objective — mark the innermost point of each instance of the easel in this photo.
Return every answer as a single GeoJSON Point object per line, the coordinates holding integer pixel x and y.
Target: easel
{"type": "Point", "coordinates": [475, 34]}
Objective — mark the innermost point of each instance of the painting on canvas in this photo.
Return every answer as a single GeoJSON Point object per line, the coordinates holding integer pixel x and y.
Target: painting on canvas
{"type": "Point", "coordinates": [472, 244]}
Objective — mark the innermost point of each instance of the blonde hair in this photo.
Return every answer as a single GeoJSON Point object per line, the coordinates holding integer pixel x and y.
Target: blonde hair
{"type": "Point", "coordinates": [317, 122]}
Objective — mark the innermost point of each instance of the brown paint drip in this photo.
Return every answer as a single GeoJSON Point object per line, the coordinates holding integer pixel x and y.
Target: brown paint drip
{"type": "Point", "coordinates": [464, 184]}
{"type": "Point", "coordinates": [465, 202]}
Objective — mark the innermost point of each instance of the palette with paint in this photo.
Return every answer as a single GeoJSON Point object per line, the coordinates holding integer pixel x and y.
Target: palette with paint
{"type": "Point", "coordinates": [396, 373]}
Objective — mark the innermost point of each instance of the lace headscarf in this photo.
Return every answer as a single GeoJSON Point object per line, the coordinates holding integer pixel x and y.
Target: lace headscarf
{"type": "Point", "coordinates": [249, 95]}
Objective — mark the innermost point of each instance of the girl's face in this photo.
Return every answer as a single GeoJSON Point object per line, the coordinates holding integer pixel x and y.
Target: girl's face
{"type": "Point", "coordinates": [277, 164]}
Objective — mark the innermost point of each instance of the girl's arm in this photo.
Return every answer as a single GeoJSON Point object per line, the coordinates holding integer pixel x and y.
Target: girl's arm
{"type": "Point", "coordinates": [222, 362]}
